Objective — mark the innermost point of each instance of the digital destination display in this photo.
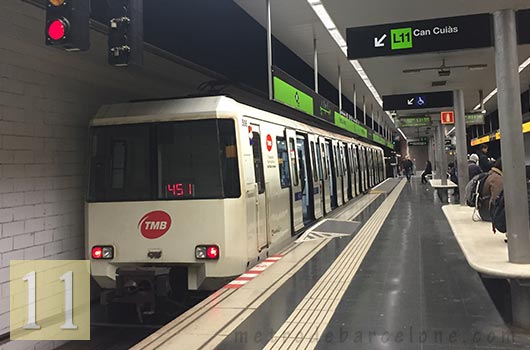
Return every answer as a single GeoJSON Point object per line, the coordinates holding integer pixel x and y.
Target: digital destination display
{"type": "Point", "coordinates": [181, 189]}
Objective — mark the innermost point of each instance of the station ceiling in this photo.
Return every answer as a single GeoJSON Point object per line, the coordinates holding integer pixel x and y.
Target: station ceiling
{"type": "Point", "coordinates": [296, 25]}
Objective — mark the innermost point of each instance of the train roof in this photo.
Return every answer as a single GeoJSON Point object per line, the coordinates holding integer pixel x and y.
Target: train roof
{"type": "Point", "coordinates": [198, 108]}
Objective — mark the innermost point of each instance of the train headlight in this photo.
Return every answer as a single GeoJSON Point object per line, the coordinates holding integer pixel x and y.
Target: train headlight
{"type": "Point", "coordinates": [102, 252]}
{"type": "Point", "coordinates": [207, 252]}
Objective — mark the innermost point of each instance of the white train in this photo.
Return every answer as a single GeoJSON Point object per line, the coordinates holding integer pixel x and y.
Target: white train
{"type": "Point", "coordinates": [209, 185]}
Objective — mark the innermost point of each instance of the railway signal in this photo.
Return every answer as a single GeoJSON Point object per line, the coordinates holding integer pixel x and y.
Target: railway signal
{"type": "Point", "coordinates": [125, 43]}
{"type": "Point", "coordinates": [67, 24]}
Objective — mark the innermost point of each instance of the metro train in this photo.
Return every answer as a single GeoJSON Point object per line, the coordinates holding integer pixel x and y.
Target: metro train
{"type": "Point", "coordinates": [211, 186]}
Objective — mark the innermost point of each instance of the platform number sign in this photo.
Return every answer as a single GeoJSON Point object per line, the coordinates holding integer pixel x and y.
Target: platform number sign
{"type": "Point", "coordinates": [401, 38]}
{"type": "Point", "coordinates": [50, 300]}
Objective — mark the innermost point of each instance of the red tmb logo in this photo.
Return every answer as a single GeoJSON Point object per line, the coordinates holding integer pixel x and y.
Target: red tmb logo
{"type": "Point", "coordinates": [154, 224]}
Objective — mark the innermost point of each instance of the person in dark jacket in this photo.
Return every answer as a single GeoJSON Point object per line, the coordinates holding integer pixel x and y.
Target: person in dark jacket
{"type": "Point", "coordinates": [474, 169]}
{"type": "Point", "coordinates": [491, 190]}
{"type": "Point", "coordinates": [407, 167]}
{"type": "Point", "coordinates": [427, 171]}
{"type": "Point", "coordinates": [484, 162]}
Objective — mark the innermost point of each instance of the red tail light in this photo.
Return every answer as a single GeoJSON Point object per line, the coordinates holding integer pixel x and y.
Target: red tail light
{"type": "Point", "coordinates": [210, 252]}
{"type": "Point", "coordinates": [102, 252]}
{"type": "Point", "coordinates": [97, 252]}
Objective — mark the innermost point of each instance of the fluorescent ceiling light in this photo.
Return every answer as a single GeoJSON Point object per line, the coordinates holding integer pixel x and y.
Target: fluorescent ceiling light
{"type": "Point", "coordinates": [402, 134]}
{"type": "Point", "coordinates": [338, 38]}
{"type": "Point", "coordinates": [324, 16]}
{"type": "Point", "coordinates": [522, 67]}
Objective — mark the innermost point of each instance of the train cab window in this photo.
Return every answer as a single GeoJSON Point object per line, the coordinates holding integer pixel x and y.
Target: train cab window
{"type": "Point", "coordinates": [164, 161]}
{"type": "Point", "coordinates": [294, 164]}
{"type": "Point", "coordinates": [283, 162]}
{"type": "Point", "coordinates": [120, 163]}
{"type": "Point", "coordinates": [314, 162]}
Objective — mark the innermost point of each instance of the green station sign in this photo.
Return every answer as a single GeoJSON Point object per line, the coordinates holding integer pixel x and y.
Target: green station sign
{"type": "Point", "coordinates": [292, 93]}
{"type": "Point", "coordinates": [414, 122]}
{"type": "Point", "coordinates": [292, 97]}
{"type": "Point", "coordinates": [347, 124]}
{"type": "Point", "coordinates": [379, 139]}
{"type": "Point", "coordinates": [475, 119]}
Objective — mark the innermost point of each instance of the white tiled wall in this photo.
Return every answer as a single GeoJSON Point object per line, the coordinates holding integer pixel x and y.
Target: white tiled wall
{"type": "Point", "coordinates": [46, 99]}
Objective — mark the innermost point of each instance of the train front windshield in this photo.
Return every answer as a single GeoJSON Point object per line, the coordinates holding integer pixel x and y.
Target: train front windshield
{"type": "Point", "coordinates": [164, 161]}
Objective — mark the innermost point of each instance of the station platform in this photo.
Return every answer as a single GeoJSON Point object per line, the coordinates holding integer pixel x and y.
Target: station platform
{"type": "Point", "coordinates": [383, 272]}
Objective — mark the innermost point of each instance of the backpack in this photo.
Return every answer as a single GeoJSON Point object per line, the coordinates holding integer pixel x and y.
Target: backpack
{"type": "Point", "coordinates": [474, 190]}
{"type": "Point", "coordinates": [498, 218]}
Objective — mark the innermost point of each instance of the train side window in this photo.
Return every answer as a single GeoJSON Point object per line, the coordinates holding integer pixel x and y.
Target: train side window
{"type": "Point", "coordinates": [283, 162]}
{"type": "Point", "coordinates": [258, 162]}
{"type": "Point", "coordinates": [325, 157]}
{"type": "Point", "coordinates": [319, 162]}
{"type": "Point", "coordinates": [294, 165]}
{"type": "Point", "coordinates": [314, 162]}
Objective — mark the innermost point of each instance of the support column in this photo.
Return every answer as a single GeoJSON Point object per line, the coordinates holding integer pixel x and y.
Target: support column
{"type": "Point", "coordinates": [340, 89]}
{"type": "Point", "coordinates": [372, 115]}
{"type": "Point", "coordinates": [512, 145]}
{"type": "Point", "coordinates": [461, 146]}
{"type": "Point", "coordinates": [269, 50]}
{"type": "Point", "coordinates": [364, 109]}
{"type": "Point", "coordinates": [354, 102]}
{"type": "Point", "coordinates": [315, 63]}
{"type": "Point", "coordinates": [442, 162]}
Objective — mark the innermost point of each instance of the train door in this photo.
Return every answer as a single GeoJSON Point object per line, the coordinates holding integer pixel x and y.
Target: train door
{"type": "Point", "coordinates": [259, 189]}
{"type": "Point", "coordinates": [337, 164]}
{"type": "Point", "coordinates": [296, 184]}
{"type": "Point", "coordinates": [316, 171]}
{"type": "Point", "coordinates": [370, 168]}
{"type": "Point", "coordinates": [362, 168]}
{"type": "Point", "coordinates": [351, 177]}
{"type": "Point", "coordinates": [331, 174]}
{"type": "Point", "coordinates": [305, 179]}
{"type": "Point", "coordinates": [356, 173]}
{"type": "Point", "coordinates": [345, 173]}
{"type": "Point", "coordinates": [326, 193]}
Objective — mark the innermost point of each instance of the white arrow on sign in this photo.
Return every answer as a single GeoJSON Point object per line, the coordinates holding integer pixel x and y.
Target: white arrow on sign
{"type": "Point", "coordinates": [379, 42]}
{"type": "Point", "coordinates": [410, 102]}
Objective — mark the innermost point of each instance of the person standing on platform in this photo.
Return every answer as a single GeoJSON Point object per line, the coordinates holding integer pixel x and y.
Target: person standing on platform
{"type": "Point", "coordinates": [407, 167]}
{"type": "Point", "coordinates": [484, 162]}
{"type": "Point", "coordinates": [427, 171]}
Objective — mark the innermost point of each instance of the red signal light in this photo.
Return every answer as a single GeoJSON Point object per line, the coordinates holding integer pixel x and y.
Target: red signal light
{"type": "Point", "coordinates": [212, 252]}
{"type": "Point", "coordinates": [97, 253]}
{"type": "Point", "coordinates": [57, 29]}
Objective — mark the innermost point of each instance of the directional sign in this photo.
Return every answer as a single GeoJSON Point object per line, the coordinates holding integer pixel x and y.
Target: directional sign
{"type": "Point", "coordinates": [523, 27]}
{"type": "Point", "coordinates": [442, 34]}
{"type": "Point", "coordinates": [475, 119]}
{"type": "Point", "coordinates": [414, 122]}
{"type": "Point", "coordinates": [448, 117]}
{"type": "Point", "coordinates": [418, 101]}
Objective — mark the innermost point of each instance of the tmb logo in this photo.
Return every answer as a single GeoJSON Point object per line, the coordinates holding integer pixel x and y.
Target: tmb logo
{"type": "Point", "coordinates": [154, 224]}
